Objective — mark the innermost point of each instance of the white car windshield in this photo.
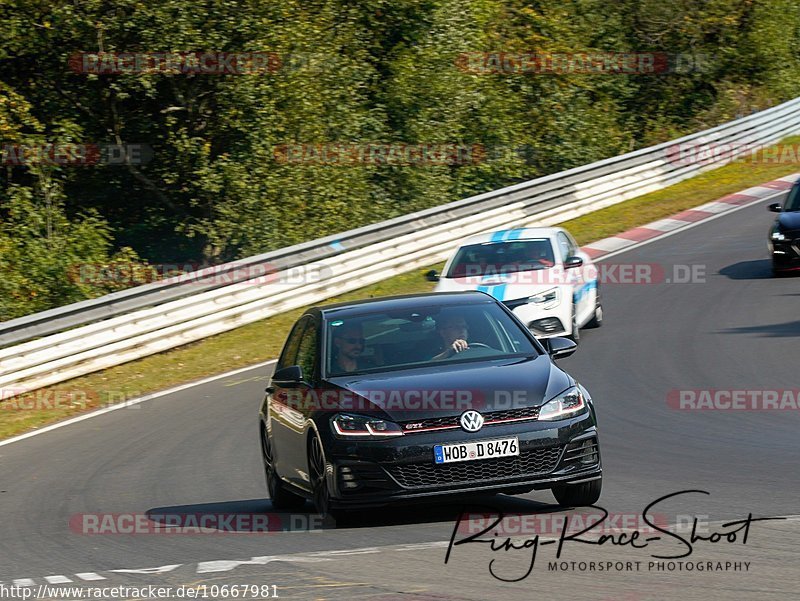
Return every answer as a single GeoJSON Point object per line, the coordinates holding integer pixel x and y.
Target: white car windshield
{"type": "Point", "coordinates": [491, 258]}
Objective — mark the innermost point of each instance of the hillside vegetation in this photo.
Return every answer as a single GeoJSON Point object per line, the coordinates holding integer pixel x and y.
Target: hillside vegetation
{"type": "Point", "coordinates": [223, 166]}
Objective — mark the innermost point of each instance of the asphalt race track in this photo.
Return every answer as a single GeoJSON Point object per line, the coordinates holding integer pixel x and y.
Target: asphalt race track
{"type": "Point", "coordinates": [196, 451]}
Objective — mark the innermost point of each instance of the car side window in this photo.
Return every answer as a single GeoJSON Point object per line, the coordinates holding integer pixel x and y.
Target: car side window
{"type": "Point", "coordinates": [292, 346]}
{"type": "Point", "coordinates": [307, 353]}
{"type": "Point", "coordinates": [564, 246]}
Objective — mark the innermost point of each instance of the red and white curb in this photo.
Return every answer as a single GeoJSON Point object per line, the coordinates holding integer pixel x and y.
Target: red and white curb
{"type": "Point", "coordinates": [689, 218]}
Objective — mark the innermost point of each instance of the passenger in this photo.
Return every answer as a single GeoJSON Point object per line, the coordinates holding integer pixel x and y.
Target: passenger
{"type": "Point", "coordinates": [348, 347]}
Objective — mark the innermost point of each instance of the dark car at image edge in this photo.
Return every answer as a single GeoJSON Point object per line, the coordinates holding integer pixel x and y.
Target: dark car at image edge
{"type": "Point", "coordinates": [358, 438]}
{"type": "Point", "coordinates": [784, 234]}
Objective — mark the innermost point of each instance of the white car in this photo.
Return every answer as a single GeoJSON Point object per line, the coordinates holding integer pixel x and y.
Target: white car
{"type": "Point", "coordinates": [541, 274]}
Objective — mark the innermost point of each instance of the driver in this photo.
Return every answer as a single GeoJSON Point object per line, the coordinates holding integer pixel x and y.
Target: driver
{"type": "Point", "coordinates": [540, 253]}
{"type": "Point", "coordinates": [453, 333]}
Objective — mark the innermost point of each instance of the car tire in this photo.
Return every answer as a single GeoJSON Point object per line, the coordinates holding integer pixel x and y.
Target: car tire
{"type": "Point", "coordinates": [781, 273]}
{"type": "Point", "coordinates": [282, 498]}
{"type": "Point", "coordinates": [320, 493]}
{"type": "Point", "coordinates": [597, 319]}
{"type": "Point", "coordinates": [575, 335]}
{"type": "Point", "coordinates": [578, 495]}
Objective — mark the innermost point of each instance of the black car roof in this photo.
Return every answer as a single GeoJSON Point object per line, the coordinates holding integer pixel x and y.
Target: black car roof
{"type": "Point", "coordinates": [406, 301]}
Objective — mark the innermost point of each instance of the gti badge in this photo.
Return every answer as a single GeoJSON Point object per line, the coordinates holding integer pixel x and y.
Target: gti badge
{"type": "Point", "coordinates": [471, 421]}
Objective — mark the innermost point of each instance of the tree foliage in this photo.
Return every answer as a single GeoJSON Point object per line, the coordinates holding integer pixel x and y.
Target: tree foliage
{"type": "Point", "coordinates": [353, 72]}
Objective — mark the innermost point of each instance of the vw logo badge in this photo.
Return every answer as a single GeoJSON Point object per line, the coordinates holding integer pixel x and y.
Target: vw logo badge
{"type": "Point", "coordinates": [471, 421]}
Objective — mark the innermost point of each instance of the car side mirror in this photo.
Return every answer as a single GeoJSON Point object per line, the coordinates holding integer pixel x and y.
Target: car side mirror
{"type": "Point", "coordinates": [775, 207]}
{"type": "Point", "coordinates": [573, 262]}
{"type": "Point", "coordinates": [432, 276]}
{"type": "Point", "coordinates": [288, 377]}
{"type": "Point", "coordinates": [560, 347]}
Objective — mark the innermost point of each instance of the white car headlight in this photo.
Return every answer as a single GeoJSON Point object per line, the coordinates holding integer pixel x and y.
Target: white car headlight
{"type": "Point", "coordinates": [547, 299]}
{"type": "Point", "coordinates": [778, 237]}
{"type": "Point", "coordinates": [568, 403]}
{"type": "Point", "coordinates": [361, 426]}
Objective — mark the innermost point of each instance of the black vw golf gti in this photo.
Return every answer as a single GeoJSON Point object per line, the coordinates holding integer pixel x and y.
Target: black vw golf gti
{"type": "Point", "coordinates": [419, 396]}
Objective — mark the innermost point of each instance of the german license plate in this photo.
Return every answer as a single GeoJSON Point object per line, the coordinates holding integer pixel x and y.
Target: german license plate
{"type": "Point", "coordinates": [472, 451]}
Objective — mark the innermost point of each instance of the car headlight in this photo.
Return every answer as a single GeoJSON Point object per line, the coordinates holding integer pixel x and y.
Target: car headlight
{"type": "Point", "coordinates": [568, 403]}
{"type": "Point", "coordinates": [548, 298]}
{"type": "Point", "coordinates": [361, 426]}
{"type": "Point", "coordinates": [777, 236]}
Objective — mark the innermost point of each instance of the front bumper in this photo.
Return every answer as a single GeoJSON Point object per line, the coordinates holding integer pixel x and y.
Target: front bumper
{"type": "Point", "coordinates": [785, 256]}
{"type": "Point", "coordinates": [551, 454]}
{"type": "Point", "coordinates": [544, 323]}
{"type": "Point", "coordinates": [785, 253]}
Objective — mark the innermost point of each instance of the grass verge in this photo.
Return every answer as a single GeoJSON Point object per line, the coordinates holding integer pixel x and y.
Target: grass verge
{"type": "Point", "coordinates": [263, 340]}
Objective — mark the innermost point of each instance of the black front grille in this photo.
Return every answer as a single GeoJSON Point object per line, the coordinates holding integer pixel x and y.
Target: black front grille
{"type": "Point", "coordinates": [523, 414]}
{"type": "Point", "coordinates": [438, 422]}
{"type": "Point", "coordinates": [520, 414]}
{"type": "Point", "coordinates": [528, 463]}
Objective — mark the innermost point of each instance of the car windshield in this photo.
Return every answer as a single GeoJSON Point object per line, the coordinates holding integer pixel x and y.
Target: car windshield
{"type": "Point", "coordinates": [418, 337]}
{"type": "Point", "coordinates": [793, 201]}
{"type": "Point", "coordinates": [492, 258]}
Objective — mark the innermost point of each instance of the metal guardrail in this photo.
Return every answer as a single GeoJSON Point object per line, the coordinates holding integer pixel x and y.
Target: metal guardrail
{"type": "Point", "coordinates": [59, 344]}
